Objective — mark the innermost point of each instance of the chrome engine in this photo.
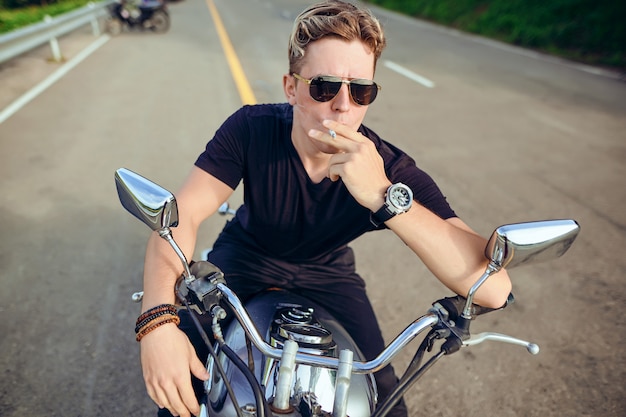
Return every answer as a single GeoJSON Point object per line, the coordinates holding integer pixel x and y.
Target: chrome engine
{"type": "Point", "coordinates": [282, 316]}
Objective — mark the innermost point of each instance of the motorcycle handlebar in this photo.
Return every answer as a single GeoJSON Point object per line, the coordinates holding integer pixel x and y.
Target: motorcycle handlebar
{"type": "Point", "coordinates": [455, 305]}
{"type": "Point", "coordinates": [359, 367]}
{"type": "Point", "coordinates": [211, 288]}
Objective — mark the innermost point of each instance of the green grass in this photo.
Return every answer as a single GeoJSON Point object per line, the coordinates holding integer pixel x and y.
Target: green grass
{"type": "Point", "coordinates": [589, 31]}
{"type": "Point", "coordinates": [16, 18]}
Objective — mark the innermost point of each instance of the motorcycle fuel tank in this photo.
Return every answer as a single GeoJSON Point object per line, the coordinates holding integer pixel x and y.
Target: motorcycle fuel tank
{"type": "Point", "coordinates": [280, 315]}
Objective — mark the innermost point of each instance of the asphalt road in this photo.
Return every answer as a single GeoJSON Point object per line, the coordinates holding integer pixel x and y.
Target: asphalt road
{"type": "Point", "coordinates": [509, 135]}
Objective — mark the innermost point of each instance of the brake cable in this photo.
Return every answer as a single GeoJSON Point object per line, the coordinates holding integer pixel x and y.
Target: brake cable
{"type": "Point", "coordinates": [217, 363]}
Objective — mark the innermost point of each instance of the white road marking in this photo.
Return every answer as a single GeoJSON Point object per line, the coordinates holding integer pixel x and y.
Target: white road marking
{"type": "Point", "coordinates": [31, 94]}
{"type": "Point", "coordinates": [409, 74]}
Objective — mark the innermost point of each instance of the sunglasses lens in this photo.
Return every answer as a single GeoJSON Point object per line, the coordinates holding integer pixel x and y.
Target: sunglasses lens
{"type": "Point", "coordinates": [324, 88]}
{"type": "Point", "coordinates": [363, 92]}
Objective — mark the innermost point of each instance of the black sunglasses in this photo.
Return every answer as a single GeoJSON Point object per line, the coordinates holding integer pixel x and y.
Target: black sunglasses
{"type": "Point", "coordinates": [325, 87]}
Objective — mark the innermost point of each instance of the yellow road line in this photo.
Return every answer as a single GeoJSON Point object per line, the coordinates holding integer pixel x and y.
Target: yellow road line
{"type": "Point", "coordinates": [245, 91]}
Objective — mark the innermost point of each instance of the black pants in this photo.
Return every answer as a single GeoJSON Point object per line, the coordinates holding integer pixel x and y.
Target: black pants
{"type": "Point", "coordinates": [331, 282]}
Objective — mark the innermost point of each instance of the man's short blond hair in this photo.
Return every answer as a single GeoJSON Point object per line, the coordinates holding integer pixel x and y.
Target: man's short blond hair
{"type": "Point", "coordinates": [338, 19]}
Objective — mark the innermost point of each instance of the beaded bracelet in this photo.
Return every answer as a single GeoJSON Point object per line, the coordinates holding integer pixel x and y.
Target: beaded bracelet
{"type": "Point", "coordinates": [155, 317]}
{"type": "Point", "coordinates": [152, 326]}
{"type": "Point", "coordinates": [163, 307]}
{"type": "Point", "coordinates": [150, 318]}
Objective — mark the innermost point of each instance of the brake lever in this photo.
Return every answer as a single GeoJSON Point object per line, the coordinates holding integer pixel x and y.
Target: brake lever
{"type": "Point", "coordinates": [476, 339]}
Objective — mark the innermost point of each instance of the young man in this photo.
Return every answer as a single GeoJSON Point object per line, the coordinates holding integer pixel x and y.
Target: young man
{"type": "Point", "coordinates": [314, 180]}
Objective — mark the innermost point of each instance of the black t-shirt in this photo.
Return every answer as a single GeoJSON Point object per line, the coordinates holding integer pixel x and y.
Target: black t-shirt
{"type": "Point", "coordinates": [285, 215]}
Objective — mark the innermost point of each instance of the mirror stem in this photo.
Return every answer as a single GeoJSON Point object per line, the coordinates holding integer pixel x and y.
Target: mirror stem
{"type": "Point", "coordinates": [492, 268]}
{"type": "Point", "coordinates": [166, 234]}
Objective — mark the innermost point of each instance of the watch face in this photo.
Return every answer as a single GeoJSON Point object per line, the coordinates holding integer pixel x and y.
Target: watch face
{"type": "Point", "coordinates": [401, 196]}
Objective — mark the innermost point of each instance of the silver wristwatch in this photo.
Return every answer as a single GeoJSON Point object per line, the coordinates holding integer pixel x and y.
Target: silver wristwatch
{"type": "Point", "coordinates": [398, 200]}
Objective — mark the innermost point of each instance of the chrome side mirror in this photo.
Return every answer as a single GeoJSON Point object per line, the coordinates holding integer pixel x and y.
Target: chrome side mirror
{"type": "Point", "coordinates": [147, 201]}
{"type": "Point", "coordinates": [524, 243]}
{"type": "Point", "coordinates": [153, 205]}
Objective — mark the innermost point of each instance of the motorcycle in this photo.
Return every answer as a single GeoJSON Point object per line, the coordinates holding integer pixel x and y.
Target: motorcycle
{"type": "Point", "coordinates": [284, 356]}
{"type": "Point", "coordinates": [147, 14]}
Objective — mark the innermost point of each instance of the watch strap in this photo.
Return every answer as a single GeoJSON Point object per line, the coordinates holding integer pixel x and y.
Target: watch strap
{"type": "Point", "coordinates": [381, 216]}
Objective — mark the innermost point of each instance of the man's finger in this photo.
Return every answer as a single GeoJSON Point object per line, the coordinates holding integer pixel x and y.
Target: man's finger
{"type": "Point", "coordinates": [325, 137]}
{"type": "Point", "coordinates": [343, 130]}
{"type": "Point", "coordinates": [191, 402]}
{"type": "Point", "coordinates": [178, 406]}
{"type": "Point", "coordinates": [157, 396]}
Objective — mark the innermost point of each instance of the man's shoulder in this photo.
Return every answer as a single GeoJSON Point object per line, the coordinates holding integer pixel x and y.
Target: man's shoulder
{"type": "Point", "coordinates": [370, 134]}
{"type": "Point", "coordinates": [253, 119]}
{"type": "Point", "coordinates": [271, 110]}
{"type": "Point", "coordinates": [384, 147]}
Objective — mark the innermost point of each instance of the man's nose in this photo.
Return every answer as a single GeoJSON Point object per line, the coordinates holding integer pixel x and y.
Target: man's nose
{"type": "Point", "coordinates": [342, 99]}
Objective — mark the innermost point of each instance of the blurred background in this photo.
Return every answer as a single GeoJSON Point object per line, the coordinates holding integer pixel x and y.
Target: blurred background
{"type": "Point", "coordinates": [517, 110]}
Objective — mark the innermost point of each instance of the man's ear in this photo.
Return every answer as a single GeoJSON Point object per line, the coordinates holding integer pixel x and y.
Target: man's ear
{"type": "Point", "coordinates": [289, 86]}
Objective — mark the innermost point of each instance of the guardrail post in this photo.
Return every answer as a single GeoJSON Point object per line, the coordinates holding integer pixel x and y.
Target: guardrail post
{"type": "Point", "coordinates": [95, 25]}
{"type": "Point", "coordinates": [15, 43]}
{"type": "Point", "coordinates": [54, 43]}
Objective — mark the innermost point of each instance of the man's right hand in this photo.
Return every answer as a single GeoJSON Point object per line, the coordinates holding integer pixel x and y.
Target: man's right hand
{"type": "Point", "coordinates": [167, 359]}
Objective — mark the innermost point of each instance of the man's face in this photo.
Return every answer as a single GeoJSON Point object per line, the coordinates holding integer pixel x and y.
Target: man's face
{"type": "Point", "coordinates": [336, 57]}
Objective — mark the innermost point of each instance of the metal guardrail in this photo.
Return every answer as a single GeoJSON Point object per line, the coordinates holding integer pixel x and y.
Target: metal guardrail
{"type": "Point", "coordinates": [23, 40]}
